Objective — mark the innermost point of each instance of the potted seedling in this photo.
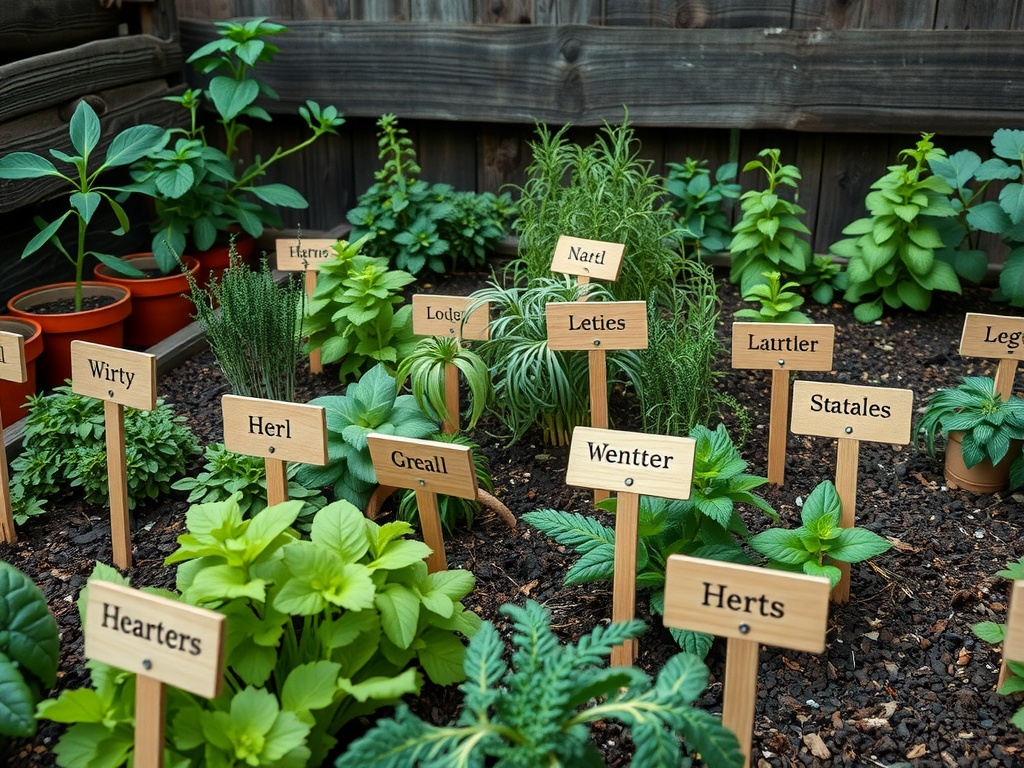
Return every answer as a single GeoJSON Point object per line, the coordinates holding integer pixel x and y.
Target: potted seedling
{"type": "Point", "coordinates": [79, 309]}
{"type": "Point", "coordinates": [983, 433]}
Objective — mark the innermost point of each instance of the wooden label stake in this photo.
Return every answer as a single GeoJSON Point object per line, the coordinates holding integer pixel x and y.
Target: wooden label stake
{"type": "Point", "coordinates": [851, 414]}
{"type": "Point", "coordinates": [995, 337]}
{"type": "Point", "coordinates": [631, 464]}
{"type": "Point", "coordinates": [435, 315]}
{"type": "Point", "coordinates": [161, 641]}
{"type": "Point", "coordinates": [749, 606]}
{"type": "Point", "coordinates": [428, 468]}
{"type": "Point", "coordinates": [305, 256]}
{"type": "Point", "coordinates": [12, 368]}
{"type": "Point", "coordinates": [118, 377]}
{"type": "Point", "coordinates": [781, 348]}
{"type": "Point", "coordinates": [1013, 641]}
{"type": "Point", "coordinates": [277, 431]}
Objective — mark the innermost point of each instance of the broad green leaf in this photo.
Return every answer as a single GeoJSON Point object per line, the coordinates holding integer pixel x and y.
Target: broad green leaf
{"type": "Point", "coordinates": [384, 688]}
{"type": "Point", "coordinates": [989, 631]}
{"type": "Point", "coordinates": [134, 143]}
{"type": "Point", "coordinates": [339, 527]}
{"type": "Point", "coordinates": [17, 702]}
{"type": "Point", "coordinates": [84, 129]}
{"type": "Point", "coordinates": [279, 194]}
{"type": "Point", "coordinates": [442, 656]}
{"type": "Point", "coordinates": [854, 545]}
{"type": "Point", "coordinates": [399, 613]}
{"type": "Point", "coordinates": [230, 97]}
{"type": "Point", "coordinates": [26, 165]}
{"type": "Point", "coordinates": [310, 686]}
{"type": "Point", "coordinates": [29, 632]}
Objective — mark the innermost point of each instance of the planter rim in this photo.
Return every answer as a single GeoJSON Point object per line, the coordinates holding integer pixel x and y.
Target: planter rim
{"type": "Point", "coordinates": [146, 286]}
{"type": "Point", "coordinates": [52, 291]}
{"type": "Point", "coordinates": [28, 329]}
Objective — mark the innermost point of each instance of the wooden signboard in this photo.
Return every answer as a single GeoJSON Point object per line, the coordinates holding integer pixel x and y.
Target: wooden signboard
{"type": "Point", "coordinates": [749, 606]}
{"type": "Point", "coordinates": [996, 337]}
{"type": "Point", "coordinates": [118, 377]}
{"type": "Point", "coordinates": [781, 348]}
{"type": "Point", "coordinates": [277, 431]}
{"type": "Point", "coordinates": [162, 641]}
{"type": "Point", "coordinates": [305, 256]}
{"type": "Point", "coordinates": [587, 259]}
{"type": "Point", "coordinates": [851, 413]}
{"type": "Point", "coordinates": [630, 463]}
{"type": "Point", "coordinates": [427, 467]}
{"type": "Point", "coordinates": [1013, 641]}
{"type": "Point", "coordinates": [12, 368]}
{"type": "Point", "coordinates": [435, 315]}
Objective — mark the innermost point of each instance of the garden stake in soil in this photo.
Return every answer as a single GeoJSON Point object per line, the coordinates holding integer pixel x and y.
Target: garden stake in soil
{"type": "Point", "coordinates": [12, 368]}
{"type": "Point", "coordinates": [304, 256]}
{"type": "Point", "coordinates": [161, 641]}
{"type": "Point", "coordinates": [749, 606]}
{"type": "Point", "coordinates": [781, 348]}
{"type": "Point", "coordinates": [428, 468]}
{"type": "Point", "coordinates": [995, 337]}
{"type": "Point", "coordinates": [118, 377]}
{"type": "Point", "coordinates": [278, 432]}
{"type": "Point", "coordinates": [435, 315]}
{"type": "Point", "coordinates": [1013, 641]}
{"type": "Point", "coordinates": [851, 414]}
{"type": "Point", "coordinates": [631, 464]}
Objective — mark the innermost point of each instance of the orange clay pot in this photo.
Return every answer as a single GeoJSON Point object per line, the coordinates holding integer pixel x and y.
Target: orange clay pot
{"type": "Point", "coordinates": [13, 393]}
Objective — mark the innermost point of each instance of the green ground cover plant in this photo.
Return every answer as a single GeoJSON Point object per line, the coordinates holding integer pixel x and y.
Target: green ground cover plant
{"type": "Point", "coordinates": [778, 302]}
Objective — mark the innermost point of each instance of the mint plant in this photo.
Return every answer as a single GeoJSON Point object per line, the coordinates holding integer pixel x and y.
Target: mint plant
{"type": "Point", "coordinates": [769, 237]}
{"type": "Point", "coordinates": [426, 367]}
{"type": "Point", "coordinates": [701, 202]}
{"type": "Point", "coordinates": [371, 404]}
{"type": "Point", "coordinates": [778, 302]}
{"type": "Point", "coordinates": [536, 709]}
{"type": "Point", "coordinates": [819, 541]}
{"type": "Point", "coordinates": [894, 253]}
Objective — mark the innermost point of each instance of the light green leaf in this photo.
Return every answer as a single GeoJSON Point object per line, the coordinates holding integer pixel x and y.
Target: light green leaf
{"type": "Point", "coordinates": [399, 613]}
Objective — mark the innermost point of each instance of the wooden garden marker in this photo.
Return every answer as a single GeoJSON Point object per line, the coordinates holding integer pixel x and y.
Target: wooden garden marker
{"type": "Point", "coordinates": [749, 606]}
{"type": "Point", "coordinates": [630, 463]}
{"type": "Point", "coordinates": [12, 368]}
{"type": "Point", "coordinates": [428, 468]}
{"type": "Point", "coordinates": [851, 414]}
{"type": "Point", "coordinates": [279, 432]}
{"type": "Point", "coordinates": [160, 640]}
{"type": "Point", "coordinates": [305, 256]}
{"type": "Point", "coordinates": [118, 377]}
{"type": "Point", "coordinates": [781, 348]}
{"type": "Point", "coordinates": [434, 315]}
{"type": "Point", "coordinates": [995, 337]}
{"type": "Point", "coordinates": [1013, 641]}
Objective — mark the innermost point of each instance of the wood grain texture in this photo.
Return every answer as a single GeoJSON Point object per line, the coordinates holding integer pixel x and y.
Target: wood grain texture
{"type": "Point", "coordinates": [30, 27]}
{"type": "Point", "coordinates": [150, 713]}
{"type": "Point", "coordinates": [117, 485]}
{"type": "Point", "coordinates": [778, 427]}
{"type": "Point", "coordinates": [275, 429]}
{"type": "Point", "coordinates": [627, 520]}
{"type": "Point", "coordinates": [847, 465]}
{"type": "Point", "coordinates": [433, 533]}
{"type": "Point", "coordinates": [8, 532]}
{"type": "Point", "coordinates": [740, 693]}
{"type": "Point", "coordinates": [113, 374]}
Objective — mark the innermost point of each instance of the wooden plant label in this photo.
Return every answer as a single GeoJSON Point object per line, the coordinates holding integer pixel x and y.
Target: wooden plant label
{"type": "Point", "coordinates": [631, 462]}
{"type": "Point", "coordinates": [161, 641]}
{"type": "Point", "coordinates": [995, 337]}
{"type": "Point", "coordinates": [114, 375]}
{"type": "Point", "coordinates": [597, 325]}
{"type": "Point", "coordinates": [306, 255]}
{"type": "Point", "coordinates": [434, 315]}
{"type": "Point", "coordinates": [275, 429]}
{"type": "Point", "coordinates": [592, 259]}
{"type": "Point", "coordinates": [1013, 642]}
{"type": "Point", "coordinates": [12, 357]}
{"type": "Point", "coordinates": [850, 411]}
{"type": "Point", "coordinates": [749, 606]}
{"type": "Point", "coordinates": [428, 468]}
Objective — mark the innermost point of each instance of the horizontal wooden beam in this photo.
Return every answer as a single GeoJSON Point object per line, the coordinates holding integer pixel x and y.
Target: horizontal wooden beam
{"type": "Point", "coordinates": [954, 82]}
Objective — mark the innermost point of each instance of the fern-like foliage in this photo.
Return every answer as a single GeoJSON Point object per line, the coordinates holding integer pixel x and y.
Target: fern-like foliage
{"type": "Point", "coordinates": [536, 710]}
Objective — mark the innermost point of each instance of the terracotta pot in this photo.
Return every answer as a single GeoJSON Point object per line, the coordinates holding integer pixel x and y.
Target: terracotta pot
{"type": "Point", "coordinates": [13, 393]}
{"type": "Point", "coordinates": [160, 305]}
{"type": "Point", "coordinates": [983, 477]}
{"type": "Point", "coordinates": [101, 326]}
{"type": "Point", "coordinates": [213, 262]}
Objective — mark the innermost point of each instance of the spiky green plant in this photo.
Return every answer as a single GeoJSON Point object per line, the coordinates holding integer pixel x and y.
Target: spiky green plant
{"type": "Point", "coordinates": [426, 370]}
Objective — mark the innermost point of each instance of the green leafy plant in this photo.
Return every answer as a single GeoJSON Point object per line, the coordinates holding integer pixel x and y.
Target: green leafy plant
{"type": "Point", "coordinates": [198, 190]}
{"type": "Point", "coordinates": [253, 325]}
{"type": "Point", "coordinates": [893, 254]}
{"type": "Point", "coordinates": [454, 511]}
{"type": "Point", "coordinates": [822, 277]}
{"type": "Point", "coordinates": [29, 650]}
{"type": "Point", "coordinates": [426, 366]}
{"type": "Point", "coordinates": [819, 541]}
{"type": "Point", "coordinates": [537, 709]}
{"type": "Point", "coordinates": [995, 633]}
{"type": "Point", "coordinates": [604, 191]}
{"type": "Point", "coordinates": [989, 422]}
{"type": "Point", "coordinates": [352, 315]}
{"type": "Point", "coordinates": [414, 224]}
{"type": "Point", "coordinates": [64, 446]}
{"type": "Point", "coordinates": [534, 384]}
{"type": "Point", "coordinates": [769, 237]}
{"type": "Point", "coordinates": [371, 404]}
{"type": "Point", "coordinates": [706, 525]}
{"type": "Point", "coordinates": [700, 203]}
{"type": "Point", "coordinates": [226, 473]}
{"type": "Point", "coordinates": [86, 193]}
{"type": "Point", "coordinates": [778, 302]}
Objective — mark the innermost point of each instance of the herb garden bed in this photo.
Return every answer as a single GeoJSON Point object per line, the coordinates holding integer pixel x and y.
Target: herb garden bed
{"type": "Point", "coordinates": [902, 681]}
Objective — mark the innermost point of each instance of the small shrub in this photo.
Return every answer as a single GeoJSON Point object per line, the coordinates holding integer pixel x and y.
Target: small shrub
{"type": "Point", "coordinates": [778, 303]}
{"type": "Point", "coordinates": [701, 204]}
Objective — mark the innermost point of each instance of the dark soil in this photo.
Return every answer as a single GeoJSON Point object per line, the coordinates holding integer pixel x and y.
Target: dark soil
{"type": "Point", "coordinates": [67, 306]}
{"type": "Point", "coordinates": [902, 681]}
